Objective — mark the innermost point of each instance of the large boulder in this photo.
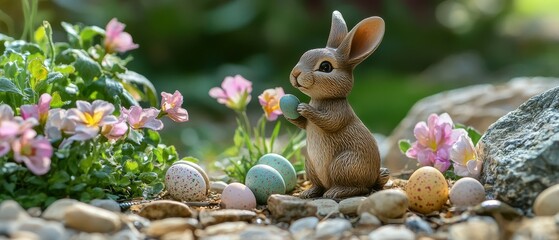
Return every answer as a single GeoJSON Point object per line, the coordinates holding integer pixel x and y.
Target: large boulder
{"type": "Point", "coordinates": [521, 151]}
{"type": "Point", "coordinates": [477, 106]}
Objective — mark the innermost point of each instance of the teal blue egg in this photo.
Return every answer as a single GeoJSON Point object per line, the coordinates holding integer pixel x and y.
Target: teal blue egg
{"type": "Point", "coordinates": [264, 181]}
{"type": "Point", "coordinates": [283, 166]}
{"type": "Point", "coordinates": [288, 105]}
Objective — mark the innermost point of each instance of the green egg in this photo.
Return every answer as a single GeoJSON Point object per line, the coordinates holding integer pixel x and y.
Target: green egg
{"type": "Point", "coordinates": [264, 181]}
{"type": "Point", "coordinates": [283, 166]}
{"type": "Point", "coordinates": [288, 105]}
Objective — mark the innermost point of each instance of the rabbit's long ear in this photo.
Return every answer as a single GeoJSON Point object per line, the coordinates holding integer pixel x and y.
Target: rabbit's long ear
{"type": "Point", "coordinates": [362, 41]}
{"type": "Point", "coordinates": [338, 31]}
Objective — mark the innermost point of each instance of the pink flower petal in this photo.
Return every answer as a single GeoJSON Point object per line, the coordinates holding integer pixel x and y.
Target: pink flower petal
{"type": "Point", "coordinates": [6, 112]}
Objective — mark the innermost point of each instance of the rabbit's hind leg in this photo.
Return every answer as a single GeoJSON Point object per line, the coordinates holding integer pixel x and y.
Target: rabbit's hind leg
{"type": "Point", "coordinates": [317, 188]}
{"type": "Point", "coordinates": [350, 175]}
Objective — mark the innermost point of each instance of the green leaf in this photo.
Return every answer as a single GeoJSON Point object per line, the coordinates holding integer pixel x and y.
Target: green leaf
{"type": "Point", "coordinates": [131, 80]}
{"type": "Point", "coordinates": [85, 164]}
{"type": "Point", "coordinates": [191, 159]}
{"type": "Point", "coordinates": [71, 30]}
{"type": "Point", "coordinates": [135, 136]}
{"type": "Point", "coordinates": [56, 101]}
{"type": "Point", "coordinates": [472, 132]}
{"type": "Point", "coordinates": [78, 187]}
{"type": "Point", "coordinates": [8, 86]}
{"type": "Point", "coordinates": [148, 177]}
{"type": "Point", "coordinates": [88, 33]}
{"type": "Point", "coordinates": [404, 145]}
{"type": "Point", "coordinates": [5, 37]}
{"type": "Point", "coordinates": [38, 72]}
{"type": "Point", "coordinates": [65, 69]}
{"type": "Point", "coordinates": [86, 67]}
{"type": "Point", "coordinates": [153, 136]}
{"type": "Point", "coordinates": [131, 166]}
{"type": "Point", "coordinates": [123, 182]}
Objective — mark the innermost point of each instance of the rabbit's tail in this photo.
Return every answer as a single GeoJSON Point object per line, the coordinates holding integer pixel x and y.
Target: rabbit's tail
{"type": "Point", "coordinates": [382, 179]}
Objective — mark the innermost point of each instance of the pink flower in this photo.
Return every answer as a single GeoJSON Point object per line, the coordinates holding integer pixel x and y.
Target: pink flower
{"type": "Point", "coordinates": [234, 92]}
{"type": "Point", "coordinates": [39, 111]}
{"type": "Point", "coordinates": [8, 131]}
{"type": "Point", "coordinates": [114, 132]}
{"type": "Point", "coordinates": [171, 105]}
{"type": "Point", "coordinates": [434, 141]}
{"type": "Point", "coordinates": [269, 100]}
{"type": "Point", "coordinates": [142, 118]}
{"type": "Point", "coordinates": [116, 40]}
{"type": "Point", "coordinates": [464, 156]}
{"type": "Point", "coordinates": [6, 112]}
{"type": "Point", "coordinates": [89, 117]}
{"type": "Point", "coordinates": [34, 152]}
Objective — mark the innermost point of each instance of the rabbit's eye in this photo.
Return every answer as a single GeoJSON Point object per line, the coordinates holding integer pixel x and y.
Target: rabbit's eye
{"type": "Point", "coordinates": [325, 67]}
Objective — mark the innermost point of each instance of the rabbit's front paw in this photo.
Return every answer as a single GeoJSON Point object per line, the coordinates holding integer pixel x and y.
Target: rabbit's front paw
{"type": "Point", "coordinates": [304, 109]}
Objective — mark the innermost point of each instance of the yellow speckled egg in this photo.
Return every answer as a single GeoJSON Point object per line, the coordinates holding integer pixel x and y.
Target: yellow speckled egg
{"type": "Point", "coordinates": [427, 190]}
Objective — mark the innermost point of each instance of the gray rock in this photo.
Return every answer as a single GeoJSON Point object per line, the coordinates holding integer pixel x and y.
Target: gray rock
{"type": "Point", "coordinates": [538, 228]}
{"type": "Point", "coordinates": [325, 207]}
{"type": "Point", "coordinates": [349, 206]}
{"type": "Point", "coordinates": [392, 232]}
{"type": "Point", "coordinates": [367, 219]}
{"type": "Point", "coordinates": [303, 228]}
{"type": "Point", "coordinates": [478, 106]}
{"type": "Point", "coordinates": [52, 231]}
{"type": "Point", "coordinates": [89, 236]}
{"type": "Point", "coordinates": [126, 234]}
{"type": "Point", "coordinates": [418, 225]}
{"type": "Point", "coordinates": [161, 227]}
{"type": "Point", "coordinates": [107, 204]}
{"type": "Point", "coordinates": [225, 215]}
{"type": "Point", "coordinates": [88, 218]}
{"type": "Point", "coordinates": [218, 186]}
{"type": "Point", "coordinates": [475, 228]}
{"type": "Point", "coordinates": [287, 208]}
{"type": "Point", "coordinates": [34, 211]}
{"type": "Point", "coordinates": [269, 232]}
{"type": "Point", "coordinates": [10, 210]}
{"type": "Point", "coordinates": [165, 209]}
{"type": "Point", "coordinates": [521, 152]}
{"type": "Point", "coordinates": [332, 228]}
{"type": "Point", "coordinates": [33, 225]}
{"type": "Point", "coordinates": [221, 229]}
{"type": "Point", "coordinates": [184, 235]}
{"type": "Point", "coordinates": [24, 235]}
{"type": "Point", "coordinates": [57, 209]}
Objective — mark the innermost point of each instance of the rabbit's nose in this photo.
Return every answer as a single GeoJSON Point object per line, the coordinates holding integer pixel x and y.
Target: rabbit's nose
{"type": "Point", "coordinates": [296, 73]}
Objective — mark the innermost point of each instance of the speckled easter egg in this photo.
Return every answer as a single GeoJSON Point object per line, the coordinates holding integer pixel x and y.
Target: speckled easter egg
{"type": "Point", "coordinates": [264, 181]}
{"type": "Point", "coordinates": [427, 190]}
{"type": "Point", "coordinates": [238, 196]}
{"type": "Point", "coordinates": [284, 167]}
{"type": "Point", "coordinates": [185, 183]}
{"type": "Point", "coordinates": [467, 192]}
{"type": "Point", "coordinates": [197, 167]}
{"type": "Point", "coordinates": [288, 105]}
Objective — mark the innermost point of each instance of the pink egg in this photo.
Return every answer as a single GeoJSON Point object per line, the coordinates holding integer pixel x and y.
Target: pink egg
{"type": "Point", "coordinates": [238, 196]}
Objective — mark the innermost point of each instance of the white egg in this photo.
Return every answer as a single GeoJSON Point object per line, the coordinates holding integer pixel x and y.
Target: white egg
{"type": "Point", "coordinates": [185, 183]}
{"type": "Point", "coordinates": [238, 196]}
{"type": "Point", "coordinates": [467, 192]}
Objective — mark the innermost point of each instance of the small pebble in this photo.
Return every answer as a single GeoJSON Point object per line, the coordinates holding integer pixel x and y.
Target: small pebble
{"type": "Point", "coordinates": [303, 227]}
{"type": "Point", "coordinates": [159, 228]}
{"type": "Point", "coordinates": [10, 210]}
{"type": "Point", "coordinates": [367, 219]}
{"type": "Point", "coordinates": [218, 186]}
{"type": "Point", "coordinates": [349, 206]}
{"type": "Point", "coordinates": [385, 204]}
{"type": "Point", "coordinates": [418, 225]}
{"type": "Point", "coordinates": [332, 228]}
{"type": "Point", "coordinates": [57, 209]}
{"type": "Point", "coordinates": [107, 204]}
{"type": "Point", "coordinates": [390, 232]}
{"type": "Point", "coordinates": [546, 203]}
{"type": "Point", "coordinates": [165, 209]}
{"type": "Point", "coordinates": [97, 219]}
{"type": "Point", "coordinates": [325, 207]}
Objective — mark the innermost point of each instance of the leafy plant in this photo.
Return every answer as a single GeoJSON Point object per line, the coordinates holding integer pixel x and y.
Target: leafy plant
{"type": "Point", "coordinates": [61, 97]}
{"type": "Point", "coordinates": [250, 143]}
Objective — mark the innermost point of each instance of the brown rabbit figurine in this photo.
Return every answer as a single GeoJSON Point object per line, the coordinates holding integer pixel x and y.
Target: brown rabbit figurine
{"type": "Point", "coordinates": [343, 158]}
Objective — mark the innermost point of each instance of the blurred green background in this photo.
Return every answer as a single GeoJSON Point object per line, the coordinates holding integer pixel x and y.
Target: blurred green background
{"type": "Point", "coordinates": [429, 46]}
